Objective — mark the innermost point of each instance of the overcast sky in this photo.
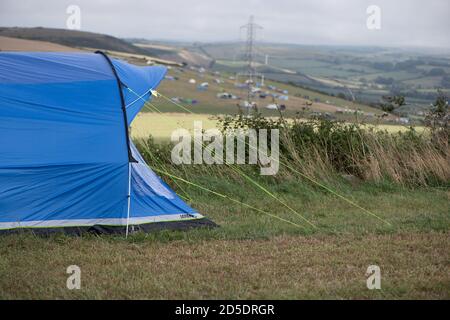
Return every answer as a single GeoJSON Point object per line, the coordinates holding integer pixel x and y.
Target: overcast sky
{"type": "Point", "coordinates": [335, 22]}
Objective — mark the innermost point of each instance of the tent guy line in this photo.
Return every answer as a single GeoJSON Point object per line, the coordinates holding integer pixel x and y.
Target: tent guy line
{"type": "Point", "coordinates": [301, 174]}
{"type": "Point", "coordinates": [237, 170]}
{"type": "Point", "coordinates": [227, 197]}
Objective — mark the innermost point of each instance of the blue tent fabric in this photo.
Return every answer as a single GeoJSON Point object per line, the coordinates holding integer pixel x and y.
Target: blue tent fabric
{"type": "Point", "coordinates": [63, 148]}
{"type": "Point", "coordinates": [138, 83]}
{"type": "Point", "coordinates": [149, 193]}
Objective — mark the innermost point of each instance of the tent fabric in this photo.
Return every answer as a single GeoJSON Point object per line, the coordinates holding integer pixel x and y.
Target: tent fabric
{"type": "Point", "coordinates": [63, 148]}
{"type": "Point", "coordinates": [138, 83]}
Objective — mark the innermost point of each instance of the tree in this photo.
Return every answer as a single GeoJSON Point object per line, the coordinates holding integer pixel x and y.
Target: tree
{"type": "Point", "coordinates": [438, 119]}
{"type": "Point", "coordinates": [390, 103]}
{"type": "Point", "coordinates": [342, 96]}
{"type": "Point", "coordinates": [437, 72]}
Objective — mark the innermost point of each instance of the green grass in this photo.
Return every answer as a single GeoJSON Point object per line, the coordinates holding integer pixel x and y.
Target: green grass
{"type": "Point", "coordinates": [407, 210]}
{"type": "Point", "coordinates": [251, 255]}
{"type": "Point", "coordinates": [256, 254]}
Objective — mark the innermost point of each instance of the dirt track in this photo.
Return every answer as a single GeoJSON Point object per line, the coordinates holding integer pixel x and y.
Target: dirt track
{"type": "Point", "coordinates": [14, 44]}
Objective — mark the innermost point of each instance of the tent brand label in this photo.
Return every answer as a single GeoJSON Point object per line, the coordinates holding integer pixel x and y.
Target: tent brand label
{"type": "Point", "coordinates": [187, 216]}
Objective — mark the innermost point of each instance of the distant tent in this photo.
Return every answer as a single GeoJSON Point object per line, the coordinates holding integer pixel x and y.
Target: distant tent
{"type": "Point", "coordinates": [246, 104]}
{"type": "Point", "coordinates": [203, 86]}
{"type": "Point", "coordinates": [272, 107]}
{"type": "Point", "coordinates": [66, 161]}
{"type": "Point", "coordinates": [275, 106]}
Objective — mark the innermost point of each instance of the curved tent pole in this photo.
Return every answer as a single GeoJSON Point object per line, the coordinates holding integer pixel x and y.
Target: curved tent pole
{"type": "Point", "coordinates": [122, 101]}
{"type": "Point", "coordinates": [131, 159]}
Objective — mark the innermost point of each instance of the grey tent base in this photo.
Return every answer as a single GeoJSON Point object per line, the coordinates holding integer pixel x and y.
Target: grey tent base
{"type": "Point", "coordinates": [117, 230]}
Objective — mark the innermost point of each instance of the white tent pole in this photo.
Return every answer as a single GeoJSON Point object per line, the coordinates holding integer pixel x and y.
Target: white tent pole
{"type": "Point", "coordinates": [129, 198]}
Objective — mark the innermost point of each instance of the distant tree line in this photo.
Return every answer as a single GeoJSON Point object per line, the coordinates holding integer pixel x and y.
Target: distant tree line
{"type": "Point", "coordinates": [411, 65]}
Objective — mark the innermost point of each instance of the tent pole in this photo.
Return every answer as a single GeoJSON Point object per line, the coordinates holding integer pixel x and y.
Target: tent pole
{"type": "Point", "coordinates": [128, 198]}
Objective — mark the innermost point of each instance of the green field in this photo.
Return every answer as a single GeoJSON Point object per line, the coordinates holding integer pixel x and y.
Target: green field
{"type": "Point", "coordinates": [208, 103]}
{"type": "Point", "coordinates": [161, 125]}
{"type": "Point", "coordinates": [252, 255]}
{"type": "Point", "coordinates": [410, 70]}
{"type": "Point", "coordinates": [280, 237]}
{"type": "Point", "coordinates": [346, 200]}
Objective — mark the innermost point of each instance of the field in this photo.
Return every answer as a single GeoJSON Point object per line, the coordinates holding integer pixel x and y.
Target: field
{"type": "Point", "coordinates": [161, 125]}
{"type": "Point", "coordinates": [301, 101]}
{"type": "Point", "coordinates": [14, 44]}
{"type": "Point", "coordinates": [370, 72]}
{"type": "Point", "coordinates": [357, 199]}
{"type": "Point", "coordinates": [335, 69]}
{"type": "Point", "coordinates": [269, 253]}
{"type": "Point", "coordinates": [251, 255]}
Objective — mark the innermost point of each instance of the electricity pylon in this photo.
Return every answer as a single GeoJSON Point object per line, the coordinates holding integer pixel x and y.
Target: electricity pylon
{"type": "Point", "coordinates": [250, 73]}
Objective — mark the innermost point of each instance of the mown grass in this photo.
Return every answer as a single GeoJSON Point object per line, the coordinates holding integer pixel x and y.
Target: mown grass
{"type": "Point", "coordinates": [413, 265]}
{"type": "Point", "coordinates": [252, 255]}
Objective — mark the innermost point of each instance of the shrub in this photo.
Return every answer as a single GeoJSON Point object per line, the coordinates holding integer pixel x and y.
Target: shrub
{"type": "Point", "coordinates": [323, 149]}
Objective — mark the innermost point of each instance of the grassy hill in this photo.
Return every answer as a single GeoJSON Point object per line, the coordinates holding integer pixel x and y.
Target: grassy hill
{"type": "Point", "coordinates": [301, 100]}
{"type": "Point", "coordinates": [73, 38]}
{"type": "Point", "coordinates": [16, 44]}
{"type": "Point", "coordinates": [207, 102]}
{"type": "Point", "coordinates": [368, 72]}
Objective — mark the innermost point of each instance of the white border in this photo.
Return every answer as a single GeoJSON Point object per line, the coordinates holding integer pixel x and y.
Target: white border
{"type": "Point", "coordinates": [105, 222]}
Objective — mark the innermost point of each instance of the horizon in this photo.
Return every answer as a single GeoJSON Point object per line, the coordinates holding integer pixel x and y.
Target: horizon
{"type": "Point", "coordinates": [218, 42]}
{"type": "Point", "coordinates": [288, 22]}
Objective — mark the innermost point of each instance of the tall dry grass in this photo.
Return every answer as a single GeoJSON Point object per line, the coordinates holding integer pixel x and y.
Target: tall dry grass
{"type": "Point", "coordinates": [322, 149]}
{"type": "Point", "coordinates": [403, 158]}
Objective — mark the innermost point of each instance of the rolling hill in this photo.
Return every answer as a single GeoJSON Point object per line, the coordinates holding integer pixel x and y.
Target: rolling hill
{"type": "Point", "coordinates": [369, 72]}
{"type": "Point", "coordinates": [73, 38]}
{"type": "Point", "coordinates": [167, 54]}
{"type": "Point", "coordinates": [15, 44]}
{"type": "Point", "coordinates": [178, 87]}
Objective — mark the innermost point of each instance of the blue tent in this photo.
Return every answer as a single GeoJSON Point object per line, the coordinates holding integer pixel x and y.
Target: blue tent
{"type": "Point", "coordinates": [66, 159]}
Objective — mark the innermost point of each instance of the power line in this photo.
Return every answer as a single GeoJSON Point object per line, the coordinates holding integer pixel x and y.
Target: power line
{"type": "Point", "coordinates": [250, 70]}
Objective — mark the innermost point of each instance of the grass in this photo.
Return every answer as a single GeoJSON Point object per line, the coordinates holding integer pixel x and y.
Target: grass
{"type": "Point", "coordinates": [161, 125]}
{"type": "Point", "coordinates": [208, 103]}
{"type": "Point", "coordinates": [252, 256]}
{"type": "Point", "coordinates": [283, 268]}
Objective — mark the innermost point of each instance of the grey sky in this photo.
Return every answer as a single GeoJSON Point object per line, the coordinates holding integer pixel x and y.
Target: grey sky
{"type": "Point", "coordinates": [336, 22]}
